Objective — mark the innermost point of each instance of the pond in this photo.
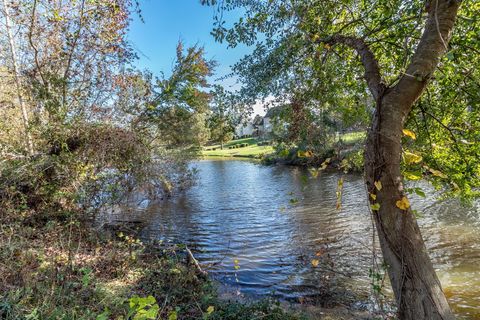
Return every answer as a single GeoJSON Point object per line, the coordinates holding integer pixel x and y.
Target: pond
{"type": "Point", "coordinates": [276, 230]}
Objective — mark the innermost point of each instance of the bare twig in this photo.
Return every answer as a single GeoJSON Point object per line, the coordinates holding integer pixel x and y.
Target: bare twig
{"type": "Point", "coordinates": [195, 261]}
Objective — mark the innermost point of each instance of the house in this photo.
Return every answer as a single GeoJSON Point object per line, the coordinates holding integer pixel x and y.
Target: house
{"type": "Point", "coordinates": [257, 123]}
{"type": "Point", "coordinates": [244, 129]}
{"type": "Point", "coordinates": [249, 127]}
{"type": "Point", "coordinates": [259, 126]}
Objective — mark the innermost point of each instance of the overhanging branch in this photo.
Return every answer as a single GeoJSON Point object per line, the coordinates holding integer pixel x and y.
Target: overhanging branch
{"type": "Point", "coordinates": [433, 44]}
{"type": "Point", "coordinates": [370, 63]}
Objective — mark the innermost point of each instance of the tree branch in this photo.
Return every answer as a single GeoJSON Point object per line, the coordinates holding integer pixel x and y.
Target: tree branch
{"type": "Point", "coordinates": [30, 40]}
{"type": "Point", "coordinates": [370, 63]}
{"type": "Point", "coordinates": [432, 45]}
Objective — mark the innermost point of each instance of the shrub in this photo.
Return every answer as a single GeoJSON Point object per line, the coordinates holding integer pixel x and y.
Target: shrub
{"type": "Point", "coordinates": [353, 161]}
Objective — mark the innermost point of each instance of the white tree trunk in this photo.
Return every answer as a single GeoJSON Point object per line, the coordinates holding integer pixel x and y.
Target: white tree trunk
{"type": "Point", "coordinates": [13, 52]}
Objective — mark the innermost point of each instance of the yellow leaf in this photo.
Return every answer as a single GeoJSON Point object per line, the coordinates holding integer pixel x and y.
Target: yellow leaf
{"type": "Point", "coordinates": [314, 172]}
{"type": "Point", "coordinates": [403, 203]}
{"type": "Point", "coordinates": [327, 46]}
{"type": "Point", "coordinates": [315, 262]}
{"type": "Point", "coordinates": [411, 176]}
{"type": "Point", "coordinates": [324, 164]}
{"type": "Point", "coordinates": [438, 173]}
{"type": "Point", "coordinates": [339, 193]}
{"type": "Point", "coordinates": [378, 185]}
{"type": "Point", "coordinates": [411, 158]}
{"type": "Point", "coordinates": [375, 206]}
{"type": "Point", "coordinates": [210, 309]}
{"type": "Point", "coordinates": [304, 154]}
{"type": "Point", "coordinates": [373, 196]}
{"type": "Point", "coordinates": [409, 133]}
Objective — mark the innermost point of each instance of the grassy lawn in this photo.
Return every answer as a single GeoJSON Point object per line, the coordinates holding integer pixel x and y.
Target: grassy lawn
{"type": "Point", "coordinates": [252, 151]}
{"type": "Point", "coordinates": [353, 137]}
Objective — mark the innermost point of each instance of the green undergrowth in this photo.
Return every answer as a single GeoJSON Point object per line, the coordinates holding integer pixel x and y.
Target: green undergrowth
{"type": "Point", "coordinates": [64, 269]}
{"type": "Point", "coordinates": [345, 153]}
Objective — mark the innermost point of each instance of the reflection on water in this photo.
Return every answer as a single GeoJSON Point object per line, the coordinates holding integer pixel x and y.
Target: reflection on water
{"type": "Point", "coordinates": [274, 224]}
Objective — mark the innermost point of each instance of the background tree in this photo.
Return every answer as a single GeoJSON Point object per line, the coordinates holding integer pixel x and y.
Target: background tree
{"type": "Point", "coordinates": [92, 119]}
{"type": "Point", "coordinates": [180, 105]}
{"type": "Point", "coordinates": [220, 121]}
{"type": "Point", "coordinates": [17, 76]}
{"type": "Point", "coordinates": [397, 47]}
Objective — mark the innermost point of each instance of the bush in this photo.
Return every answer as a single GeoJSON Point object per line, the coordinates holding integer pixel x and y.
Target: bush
{"type": "Point", "coordinates": [353, 161]}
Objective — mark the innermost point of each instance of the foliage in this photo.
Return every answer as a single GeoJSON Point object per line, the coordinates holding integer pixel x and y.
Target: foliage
{"type": "Point", "coordinates": [294, 59]}
{"type": "Point", "coordinates": [91, 152]}
{"type": "Point", "coordinates": [65, 270]}
{"type": "Point", "coordinates": [179, 108]}
{"type": "Point", "coordinates": [298, 126]}
{"type": "Point", "coordinates": [353, 161]}
{"type": "Point", "coordinates": [142, 308]}
{"type": "Point", "coordinates": [220, 121]}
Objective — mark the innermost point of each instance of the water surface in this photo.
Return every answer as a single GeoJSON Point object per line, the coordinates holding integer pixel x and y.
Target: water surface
{"type": "Point", "coordinates": [275, 230]}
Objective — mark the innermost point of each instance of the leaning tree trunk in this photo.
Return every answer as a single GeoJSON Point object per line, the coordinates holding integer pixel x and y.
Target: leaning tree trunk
{"type": "Point", "coordinates": [415, 284]}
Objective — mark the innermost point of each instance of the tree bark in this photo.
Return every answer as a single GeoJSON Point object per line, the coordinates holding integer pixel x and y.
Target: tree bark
{"type": "Point", "coordinates": [16, 71]}
{"type": "Point", "coordinates": [417, 290]}
{"type": "Point", "coordinates": [415, 284]}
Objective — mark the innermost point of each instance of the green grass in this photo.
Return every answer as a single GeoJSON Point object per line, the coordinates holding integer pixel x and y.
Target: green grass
{"type": "Point", "coordinates": [252, 151]}
{"type": "Point", "coordinates": [350, 138]}
{"type": "Point", "coordinates": [256, 151]}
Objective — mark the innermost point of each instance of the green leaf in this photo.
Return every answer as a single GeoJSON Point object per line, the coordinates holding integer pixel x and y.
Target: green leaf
{"type": "Point", "coordinates": [417, 214]}
{"type": "Point", "coordinates": [420, 192]}
{"type": "Point", "coordinates": [103, 316]}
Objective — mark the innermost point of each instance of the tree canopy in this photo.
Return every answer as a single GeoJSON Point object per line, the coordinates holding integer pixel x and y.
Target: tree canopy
{"type": "Point", "coordinates": [313, 50]}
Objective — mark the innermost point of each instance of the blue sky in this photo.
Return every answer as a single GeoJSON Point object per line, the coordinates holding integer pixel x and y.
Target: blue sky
{"type": "Point", "coordinates": [168, 21]}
